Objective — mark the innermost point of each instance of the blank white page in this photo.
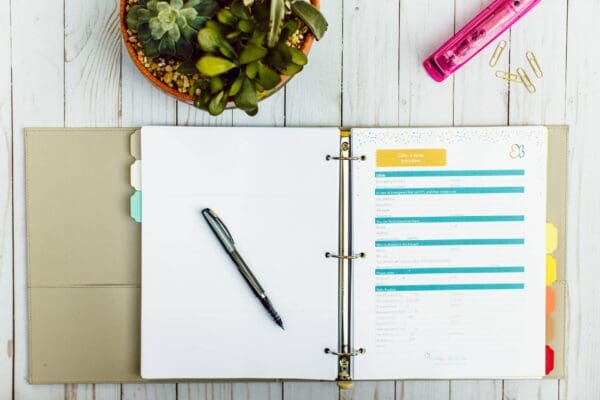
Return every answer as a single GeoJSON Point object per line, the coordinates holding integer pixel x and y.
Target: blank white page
{"type": "Point", "coordinates": [277, 194]}
{"type": "Point", "coordinates": [453, 224]}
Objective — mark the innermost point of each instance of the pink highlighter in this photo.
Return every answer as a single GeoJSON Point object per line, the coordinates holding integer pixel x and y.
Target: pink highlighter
{"type": "Point", "coordinates": [475, 36]}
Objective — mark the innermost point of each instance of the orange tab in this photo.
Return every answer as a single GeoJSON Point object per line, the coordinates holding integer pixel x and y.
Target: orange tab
{"type": "Point", "coordinates": [549, 328]}
{"type": "Point", "coordinates": [550, 300]}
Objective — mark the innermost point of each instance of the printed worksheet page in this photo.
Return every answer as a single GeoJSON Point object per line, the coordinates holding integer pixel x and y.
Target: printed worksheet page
{"type": "Point", "coordinates": [277, 195]}
{"type": "Point", "coordinates": [452, 221]}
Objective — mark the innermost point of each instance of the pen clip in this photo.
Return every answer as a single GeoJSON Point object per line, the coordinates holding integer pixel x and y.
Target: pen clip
{"type": "Point", "coordinates": [222, 224]}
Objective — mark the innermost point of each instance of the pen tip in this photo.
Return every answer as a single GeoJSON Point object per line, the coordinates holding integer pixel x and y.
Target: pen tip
{"type": "Point", "coordinates": [280, 323]}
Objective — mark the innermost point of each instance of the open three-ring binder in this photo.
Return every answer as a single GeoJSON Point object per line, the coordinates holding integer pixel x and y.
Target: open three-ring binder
{"type": "Point", "coordinates": [444, 248]}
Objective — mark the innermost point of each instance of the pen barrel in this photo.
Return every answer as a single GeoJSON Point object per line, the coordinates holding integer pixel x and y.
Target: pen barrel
{"type": "Point", "coordinates": [247, 274]}
{"type": "Point", "coordinates": [475, 36]}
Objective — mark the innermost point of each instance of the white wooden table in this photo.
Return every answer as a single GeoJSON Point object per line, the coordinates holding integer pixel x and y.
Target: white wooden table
{"type": "Point", "coordinates": [62, 64]}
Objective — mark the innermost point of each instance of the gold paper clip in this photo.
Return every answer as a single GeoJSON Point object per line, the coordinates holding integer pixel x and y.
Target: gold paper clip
{"type": "Point", "coordinates": [507, 76]}
{"type": "Point", "coordinates": [535, 65]}
{"type": "Point", "coordinates": [526, 81]}
{"type": "Point", "coordinates": [497, 53]}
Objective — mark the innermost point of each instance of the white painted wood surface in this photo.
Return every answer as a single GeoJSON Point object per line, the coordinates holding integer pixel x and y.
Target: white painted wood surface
{"type": "Point", "coordinates": [62, 64]}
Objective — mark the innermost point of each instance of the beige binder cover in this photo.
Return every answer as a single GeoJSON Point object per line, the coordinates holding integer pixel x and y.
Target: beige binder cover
{"type": "Point", "coordinates": [84, 254]}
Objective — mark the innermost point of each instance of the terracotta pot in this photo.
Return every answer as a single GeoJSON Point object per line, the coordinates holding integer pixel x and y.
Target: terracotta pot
{"type": "Point", "coordinates": [308, 40]}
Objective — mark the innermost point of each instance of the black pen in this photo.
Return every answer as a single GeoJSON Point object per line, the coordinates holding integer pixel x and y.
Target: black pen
{"type": "Point", "coordinates": [222, 233]}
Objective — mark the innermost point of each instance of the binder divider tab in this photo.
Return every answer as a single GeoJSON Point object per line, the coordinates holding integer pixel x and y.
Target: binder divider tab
{"type": "Point", "coordinates": [345, 256]}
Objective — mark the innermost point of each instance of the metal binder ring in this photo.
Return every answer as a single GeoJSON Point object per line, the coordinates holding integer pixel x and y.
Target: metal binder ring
{"type": "Point", "coordinates": [352, 257]}
{"type": "Point", "coordinates": [359, 158]}
{"type": "Point", "coordinates": [345, 354]}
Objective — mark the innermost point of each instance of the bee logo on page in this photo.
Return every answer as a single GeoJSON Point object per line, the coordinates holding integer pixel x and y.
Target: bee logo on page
{"type": "Point", "coordinates": [517, 151]}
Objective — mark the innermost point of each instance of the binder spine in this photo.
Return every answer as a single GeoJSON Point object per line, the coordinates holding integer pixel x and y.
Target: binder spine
{"type": "Point", "coordinates": [345, 256]}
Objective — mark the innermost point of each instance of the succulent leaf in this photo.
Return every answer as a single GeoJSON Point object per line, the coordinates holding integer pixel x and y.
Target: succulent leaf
{"type": "Point", "coordinates": [298, 57]}
{"type": "Point", "coordinates": [212, 66]}
{"type": "Point", "coordinates": [217, 103]}
{"type": "Point", "coordinates": [311, 16]}
{"type": "Point", "coordinates": [177, 4]}
{"type": "Point", "coordinates": [252, 53]}
{"type": "Point", "coordinates": [275, 22]}
{"type": "Point", "coordinates": [246, 99]}
{"type": "Point", "coordinates": [267, 78]}
{"type": "Point", "coordinates": [236, 85]}
{"type": "Point", "coordinates": [252, 70]}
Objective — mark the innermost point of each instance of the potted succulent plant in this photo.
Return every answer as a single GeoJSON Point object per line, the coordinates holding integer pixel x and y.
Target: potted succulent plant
{"type": "Point", "coordinates": [220, 53]}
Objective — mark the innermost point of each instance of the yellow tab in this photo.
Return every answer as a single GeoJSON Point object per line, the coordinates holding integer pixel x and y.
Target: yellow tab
{"type": "Point", "coordinates": [345, 133]}
{"type": "Point", "coordinates": [411, 158]}
{"type": "Point", "coordinates": [551, 238]}
{"type": "Point", "coordinates": [550, 270]}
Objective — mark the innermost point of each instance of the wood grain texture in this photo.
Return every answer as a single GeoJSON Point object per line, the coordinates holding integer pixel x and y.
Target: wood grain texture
{"type": "Point", "coordinates": [92, 63]}
{"type": "Point", "coordinates": [424, 26]}
{"type": "Point", "coordinates": [149, 391]}
{"type": "Point", "coordinates": [230, 391]}
{"type": "Point", "coordinates": [6, 235]}
{"type": "Point", "coordinates": [314, 96]}
{"type": "Point", "coordinates": [418, 390]}
{"type": "Point", "coordinates": [531, 389]}
{"type": "Point", "coordinates": [37, 30]}
{"type": "Point", "coordinates": [310, 390]}
{"type": "Point", "coordinates": [583, 249]}
{"type": "Point", "coordinates": [370, 75]}
{"type": "Point", "coordinates": [73, 72]}
{"type": "Point", "coordinates": [381, 390]}
{"type": "Point", "coordinates": [476, 389]}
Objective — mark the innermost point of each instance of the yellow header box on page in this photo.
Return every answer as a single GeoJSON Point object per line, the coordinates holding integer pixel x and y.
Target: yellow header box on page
{"type": "Point", "coordinates": [411, 158]}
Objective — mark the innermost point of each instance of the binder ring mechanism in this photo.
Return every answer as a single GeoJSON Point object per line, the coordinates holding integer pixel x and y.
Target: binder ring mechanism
{"type": "Point", "coordinates": [350, 257]}
{"type": "Point", "coordinates": [345, 354]}
{"type": "Point", "coordinates": [345, 158]}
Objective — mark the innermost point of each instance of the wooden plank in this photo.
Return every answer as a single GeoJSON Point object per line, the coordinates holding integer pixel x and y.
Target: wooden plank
{"type": "Point", "coordinates": [377, 390]}
{"type": "Point", "coordinates": [6, 239]}
{"type": "Point", "coordinates": [480, 98]}
{"type": "Point", "coordinates": [92, 95]}
{"type": "Point", "coordinates": [583, 102]}
{"type": "Point", "coordinates": [370, 63]}
{"type": "Point", "coordinates": [92, 63]}
{"type": "Point", "coordinates": [37, 68]}
{"type": "Point", "coordinates": [314, 96]}
{"type": "Point", "coordinates": [424, 26]}
{"type": "Point", "coordinates": [92, 392]}
{"type": "Point", "coordinates": [230, 391]}
{"type": "Point", "coordinates": [544, 389]}
{"type": "Point", "coordinates": [417, 390]}
{"type": "Point", "coordinates": [476, 389]}
{"type": "Point", "coordinates": [310, 390]}
{"type": "Point", "coordinates": [142, 103]}
{"type": "Point", "coordinates": [149, 391]}
{"type": "Point", "coordinates": [545, 24]}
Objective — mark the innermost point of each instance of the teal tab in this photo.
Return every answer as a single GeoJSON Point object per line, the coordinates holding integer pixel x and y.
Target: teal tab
{"type": "Point", "coordinates": [136, 206]}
